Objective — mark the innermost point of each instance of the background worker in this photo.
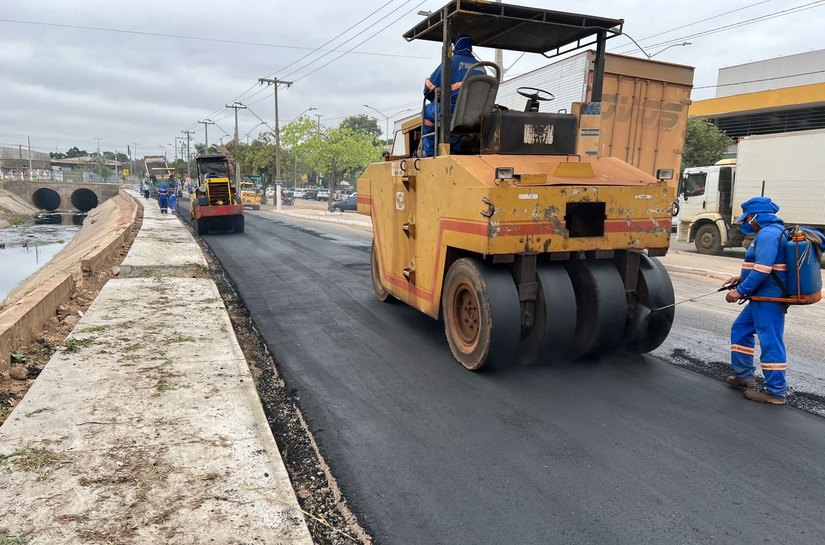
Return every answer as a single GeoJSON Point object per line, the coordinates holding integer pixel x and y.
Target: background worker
{"type": "Point", "coordinates": [463, 59]}
{"type": "Point", "coordinates": [763, 264]}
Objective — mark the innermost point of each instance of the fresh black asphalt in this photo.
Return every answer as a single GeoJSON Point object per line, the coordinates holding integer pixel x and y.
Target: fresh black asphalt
{"type": "Point", "coordinates": [618, 451]}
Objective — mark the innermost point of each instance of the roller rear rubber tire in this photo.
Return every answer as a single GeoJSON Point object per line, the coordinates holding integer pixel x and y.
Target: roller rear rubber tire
{"type": "Point", "coordinates": [481, 313]}
{"type": "Point", "coordinates": [238, 224]}
{"type": "Point", "coordinates": [554, 324]}
{"type": "Point", "coordinates": [655, 290]}
{"type": "Point", "coordinates": [601, 305]}
{"type": "Point", "coordinates": [202, 226]}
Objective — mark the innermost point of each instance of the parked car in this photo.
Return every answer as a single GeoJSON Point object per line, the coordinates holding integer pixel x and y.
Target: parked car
{"type": "Point", "coordinates": [350, 203]}
{"type": "Point", "coordinates": [298, 192]}
{"type": "Point", "coordinates": [310, 194]}
{"type": "Point", "coordinates": [322, 195]}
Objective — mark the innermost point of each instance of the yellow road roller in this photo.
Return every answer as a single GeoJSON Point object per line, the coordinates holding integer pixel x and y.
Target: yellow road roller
{"type": "Point", "coordinates": [526, 241]}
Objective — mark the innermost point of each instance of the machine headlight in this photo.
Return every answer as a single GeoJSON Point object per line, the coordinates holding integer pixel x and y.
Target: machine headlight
{"type": "Point", "coordinates": [505, 173]}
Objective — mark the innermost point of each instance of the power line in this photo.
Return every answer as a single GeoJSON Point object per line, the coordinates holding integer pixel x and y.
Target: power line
{"type": "Point", "coordinates": [185, 37]}
{"type": "Point", "coordinates": [395, 10]}
{"type": "Point", "coordinates": [243, 96]}
{"type": "Point", "coordinates": [327, 52]}
{"type": "Point", "coordinates": [774, 15]}
{"type": "Point", "coordinates": [681, 27]}
{"type": "Point", "coordinates": [364, 41]}
{"type": "Point", "coordinates": [760, 80]}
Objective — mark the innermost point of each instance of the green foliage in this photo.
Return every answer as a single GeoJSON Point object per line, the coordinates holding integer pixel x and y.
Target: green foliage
{"type": "Point", "coordinates": [332, 153]}
{"type": "Point", "coordinates": [74, 151]}
{"type": "Point", "coordinates": [363, 124]}
{"type": "Point", "coordinates": [704, 144]}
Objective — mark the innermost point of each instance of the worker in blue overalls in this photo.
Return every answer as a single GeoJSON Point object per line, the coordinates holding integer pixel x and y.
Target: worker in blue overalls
{"type": "Point", "coordinates": [763, 265]}
{"type": "Point", "coordinates": [463, 59]}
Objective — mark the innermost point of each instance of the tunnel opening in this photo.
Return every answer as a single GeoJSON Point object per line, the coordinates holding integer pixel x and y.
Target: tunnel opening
{"type": "Point", "coordinates": [84, 199]}
{"type": "Point", "coordinates": [46, 198]}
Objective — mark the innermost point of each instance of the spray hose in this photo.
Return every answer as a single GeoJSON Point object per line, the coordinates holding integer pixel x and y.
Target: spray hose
{"type": "Point", "coordinates": [726, 287]}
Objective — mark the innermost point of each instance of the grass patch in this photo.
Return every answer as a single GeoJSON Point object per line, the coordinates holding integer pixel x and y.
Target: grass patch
{"type": "Point", "coordinates": [4, 413]}
{"type": "Point", "coordinates": [18, 219]}
{"type": "Point", "coordinates": [74, 344]}
{"type": "Point", "coordinates": [37, 460]}
{"type": "Point", "coordinates": [94, 329]}
{"type": "Point", "coordinates": [163, 385]}
{"type": "Point", "coordinates": [17, 357]}
{"type": "Point", "coordinates": [7, 539]}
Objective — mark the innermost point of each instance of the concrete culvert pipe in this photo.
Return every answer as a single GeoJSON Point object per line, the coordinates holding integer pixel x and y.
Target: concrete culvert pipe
{"type": "Point", "coordinates": [46, 199]}
{"type": "Point", "coordinates": [84, 199]}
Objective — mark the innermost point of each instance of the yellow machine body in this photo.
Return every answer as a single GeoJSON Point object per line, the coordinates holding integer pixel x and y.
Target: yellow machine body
{"type": "Point", "coordinates": [429, 212]}
{"type": "Point", "coordinates": [250, 195]}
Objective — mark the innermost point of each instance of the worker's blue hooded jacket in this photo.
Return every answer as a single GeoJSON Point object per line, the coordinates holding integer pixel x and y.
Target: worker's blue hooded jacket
{"type": "Point", "coordinates": [462, 61]}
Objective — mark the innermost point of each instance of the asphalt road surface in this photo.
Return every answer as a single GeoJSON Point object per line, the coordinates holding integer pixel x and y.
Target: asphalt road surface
{"type": "Point", "coordinates": [618, 451]}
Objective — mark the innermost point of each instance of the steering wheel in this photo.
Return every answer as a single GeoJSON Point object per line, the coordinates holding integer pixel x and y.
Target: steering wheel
{"type": "Point", "coordinates": [538, 94]}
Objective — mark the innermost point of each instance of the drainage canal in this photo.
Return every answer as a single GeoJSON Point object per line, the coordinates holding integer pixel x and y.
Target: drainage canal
{"type": "Point", "coordinates": [47, 199]}
{"type": "Point", "coordinates": [84, 199]}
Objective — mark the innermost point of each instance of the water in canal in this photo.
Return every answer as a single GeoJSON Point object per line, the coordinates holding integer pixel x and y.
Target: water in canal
{"type": "Point", "coordinates": [23, 250]}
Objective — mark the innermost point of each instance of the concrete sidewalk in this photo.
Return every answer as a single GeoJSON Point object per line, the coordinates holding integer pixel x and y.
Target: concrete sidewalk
{"type": "Point", "coordinates": [146, 427]}
{"type": "Point", "coordinates": [344, 218]}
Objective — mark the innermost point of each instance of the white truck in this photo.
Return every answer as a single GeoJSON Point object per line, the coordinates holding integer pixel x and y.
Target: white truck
{"type": "Point", "coordinates": [787, 167]}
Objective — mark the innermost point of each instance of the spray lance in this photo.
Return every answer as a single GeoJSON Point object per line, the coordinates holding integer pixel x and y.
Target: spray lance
{"type": "Point", "coordinates": [726, 287]}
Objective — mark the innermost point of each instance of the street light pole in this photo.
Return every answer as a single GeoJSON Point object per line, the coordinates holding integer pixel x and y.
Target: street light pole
{"type": "Point", "coordinates": [206, 123]}
{"type": "Point", "coordinates": [386, 117]}
{"type": "Point", "coordinates": [275, 83]}
{"type": "Point", "coordinates": [319, 116]}
{"type": "Point", "coordinates": [237, 106]}
{"type": "Point", "coordinates": [188, 153]}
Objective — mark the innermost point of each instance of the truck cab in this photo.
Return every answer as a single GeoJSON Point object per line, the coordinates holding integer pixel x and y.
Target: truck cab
{"type": "Point", "coordinates": [706, 208]}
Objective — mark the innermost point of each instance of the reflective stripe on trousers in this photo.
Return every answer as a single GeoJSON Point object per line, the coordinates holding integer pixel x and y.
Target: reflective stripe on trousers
{"type": "Point", "coordinates": [766, 321]}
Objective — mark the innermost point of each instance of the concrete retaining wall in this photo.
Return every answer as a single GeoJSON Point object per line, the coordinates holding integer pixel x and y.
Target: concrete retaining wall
{"type": "Point", "coordinates": [29, 307]}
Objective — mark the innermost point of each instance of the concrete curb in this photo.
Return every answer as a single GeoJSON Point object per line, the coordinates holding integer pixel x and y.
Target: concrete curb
{"type": "Point", "coordinates": [93, 262]}
{"type": "Point", "coordinates": [328, 219]}
{"type": "Point", "coordinates": [22, 321]}
{"type": "Point", "coordinates": [698, 272]}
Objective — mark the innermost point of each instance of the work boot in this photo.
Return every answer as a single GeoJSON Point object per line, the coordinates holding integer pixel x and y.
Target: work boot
{"type": "Point", "coordinates": [764, 397]}
{"type": "Point", "coordinates": [741, 383]}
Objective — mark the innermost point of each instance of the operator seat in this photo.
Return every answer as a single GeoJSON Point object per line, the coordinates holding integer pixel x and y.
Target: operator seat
{"type": "Point", "coordinates": [477, 97]}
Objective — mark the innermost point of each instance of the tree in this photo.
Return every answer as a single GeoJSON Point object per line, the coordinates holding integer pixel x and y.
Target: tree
{"type": "Point", "coordinates": [704, 144]}
{"type": "Point", "coordinates": [74, 151]}
{"type": "Point", "coordinates": [363, 124]}
{"type": "Point", "coordinates": [329, 152]}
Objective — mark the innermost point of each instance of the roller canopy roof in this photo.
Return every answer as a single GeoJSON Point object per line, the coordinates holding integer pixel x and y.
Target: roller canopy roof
{"type": "Point", "coordinates": [516, 28]}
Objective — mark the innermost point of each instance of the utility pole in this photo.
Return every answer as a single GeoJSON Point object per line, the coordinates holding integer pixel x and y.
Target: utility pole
{"type": "Point", "coordinates": [275, 83]}
{"type": "Point", "coordinates": [20, 150]}
{"type": "Point", "coordinates": [237, 106]}
{"type": "Point", "coordinates": [134, 155]}
{"type": "Point", "coordinates": [319, 116]}
{"type": "Point", "coordinates": [188, 153]}
{"type": "Point", "coordinates": [31, 174]}
{"type": "Point", "coordinates": [206, 123]}
{"type": "Point", "coordinates": [99, 158]}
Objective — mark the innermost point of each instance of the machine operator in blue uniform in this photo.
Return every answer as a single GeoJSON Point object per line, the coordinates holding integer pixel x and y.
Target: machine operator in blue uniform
{"type": "Point", "coordinates": [763, 263]}
{"type": "Point", "coordinates": [463, 59]}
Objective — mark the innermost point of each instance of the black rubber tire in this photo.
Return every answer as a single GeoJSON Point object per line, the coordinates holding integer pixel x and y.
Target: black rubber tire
{"type": "Point", "coordinates": [487, 333]}
{"type": "Point", "coordinates": [554, 325]}
{"type": "Point", "coordinates": [708, 240]}
{"type": "Point", "coordinates": [601, 306]}
{"type": "Point", "coordinates": [238, 224]}
{"type": "Point", "coordinates": [647, 329]}
{"type": "Point", "coordinates": [202, 226]}
{"type": "Point", "coordinates": [256, 207]}
{"type": "Point", "coordinates": [377, 287]}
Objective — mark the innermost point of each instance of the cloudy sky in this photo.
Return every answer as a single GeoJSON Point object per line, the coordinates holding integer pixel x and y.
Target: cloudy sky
{"type": "Point", "coordinates": [62, 85]}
